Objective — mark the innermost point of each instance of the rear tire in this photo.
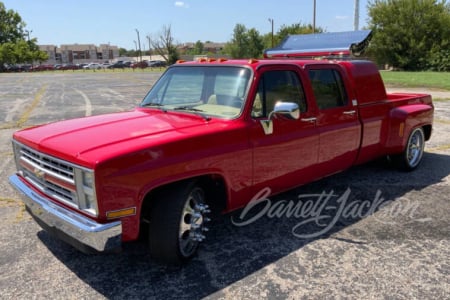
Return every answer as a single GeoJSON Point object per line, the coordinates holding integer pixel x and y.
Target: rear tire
{"type": "Point", "coordinates": [411, 156]}
{"type": "Point", "coordinates": [177, 223]}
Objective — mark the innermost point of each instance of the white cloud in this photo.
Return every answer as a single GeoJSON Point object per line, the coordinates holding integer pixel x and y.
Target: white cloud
{"type": "Point", "coordinates": [181, 4]}
{"type": "Point", "coordinates": [341, 17]}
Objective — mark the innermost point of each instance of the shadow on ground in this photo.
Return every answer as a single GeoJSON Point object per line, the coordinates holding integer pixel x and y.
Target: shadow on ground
{"type": "Point", "coordinates": [234, 252]}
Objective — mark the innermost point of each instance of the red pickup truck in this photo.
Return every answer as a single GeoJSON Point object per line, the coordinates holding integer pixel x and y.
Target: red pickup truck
{"type": "Point", "coordinates": [208, 137]}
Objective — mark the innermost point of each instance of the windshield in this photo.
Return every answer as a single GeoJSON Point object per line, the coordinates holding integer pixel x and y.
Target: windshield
{"type": "Point", "coordinates": [217, 91]}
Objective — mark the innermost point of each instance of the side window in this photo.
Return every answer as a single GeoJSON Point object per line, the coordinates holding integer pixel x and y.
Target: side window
{"type": "Point", "coordinates": [328, 88]}
{"type": "Point", "coordinates": [277, 86]}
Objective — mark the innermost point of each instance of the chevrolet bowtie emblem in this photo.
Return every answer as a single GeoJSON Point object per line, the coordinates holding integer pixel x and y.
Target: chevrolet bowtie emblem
{"type": "Point", "coordinates": [38, 173]}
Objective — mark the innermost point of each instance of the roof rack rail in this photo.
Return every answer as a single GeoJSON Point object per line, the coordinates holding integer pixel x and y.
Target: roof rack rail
{"type": "Point", "coordinates": [331, 45]}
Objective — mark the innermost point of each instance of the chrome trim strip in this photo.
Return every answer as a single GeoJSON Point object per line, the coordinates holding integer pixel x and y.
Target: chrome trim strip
{"type": "Point", "coordinates": [80, 229]}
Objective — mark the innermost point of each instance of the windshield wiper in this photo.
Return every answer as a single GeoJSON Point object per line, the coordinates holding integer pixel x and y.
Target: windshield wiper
{"type": "Point", "coordinates": [187, 108]}
{"type": "Point", "coordinates": [193, 109]}
{"type": "Point", "coordinates": [152, 104]}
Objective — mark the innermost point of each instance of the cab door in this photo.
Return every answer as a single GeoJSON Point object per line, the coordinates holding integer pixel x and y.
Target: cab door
{"type": "Point", "coordinates": [337, 119]}
{"type": "Point", "coordinates": [285, 157]}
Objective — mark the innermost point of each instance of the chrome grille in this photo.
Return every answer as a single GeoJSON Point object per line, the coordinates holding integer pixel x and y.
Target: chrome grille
{"type": "Point", "coordinates": [48, 163]}
{"type": "Point", "coordinates": [52, 176]}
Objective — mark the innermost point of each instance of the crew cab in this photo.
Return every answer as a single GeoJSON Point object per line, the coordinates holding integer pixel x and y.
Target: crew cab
{"type": "Point", "coordinates": [207, 138]}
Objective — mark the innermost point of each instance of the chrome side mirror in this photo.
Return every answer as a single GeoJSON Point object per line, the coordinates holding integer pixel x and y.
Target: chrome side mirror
{"type": "Point", "coordinates": [287, 109]}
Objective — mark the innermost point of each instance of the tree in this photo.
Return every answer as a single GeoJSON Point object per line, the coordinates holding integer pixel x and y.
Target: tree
{"type": "Point", "coordinates": [14, 48]}
{"type": "Point", "coordinates": [11, 25]}
{"type": "Point", "coordinates": [285, 30]}
{"type": "Point", "coordinates": [123, 52]}
{"type": "Point", "coordinates": [410, 34]}
{"type": "Point", "coordinates": [198, 48]}
{"type": "Point", "coordinates": [236, 48]}
{"type": "Point", "coordinates": [245, 43]}
{"type": "Point", "coordinates": [297, 28]}
{"type": "Point", "coordinates": [255, 43]}
{"type": "Point", "coordinates": [164, 45]}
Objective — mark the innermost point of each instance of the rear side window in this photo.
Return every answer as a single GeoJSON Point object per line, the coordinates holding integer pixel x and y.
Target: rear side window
{"type": "Point", "coordinates": [328, 88]}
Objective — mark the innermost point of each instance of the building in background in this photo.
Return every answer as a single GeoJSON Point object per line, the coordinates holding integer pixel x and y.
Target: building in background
{"type": "Point", "coordinates": [80, 53]}
{"type": "Point", "coordinates": [208, 47]}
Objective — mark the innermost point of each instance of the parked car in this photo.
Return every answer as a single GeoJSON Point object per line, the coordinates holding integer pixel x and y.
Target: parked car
{"type": "Point", "coordinates": [141, 64]}
{"type": "Point", "coordinates": [117, 65]}
{"type": "Point", "coordinates": [156, 63]}
{"type": "Point", "coordinates": [92, 66]}
{"type": "Point", "coordinates": [128, 64]}
{"type": "Point", "coordinates": [14, 68]}
{"type": "Point", "coordinates": [69, 67]}
{"type": "Point", "coordinates": [42, 68]}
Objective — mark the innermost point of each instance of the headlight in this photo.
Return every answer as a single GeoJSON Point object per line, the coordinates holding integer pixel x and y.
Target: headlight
{"type": "Point", "coordinates": [88, 179]}
{"type": "Point", "coordinates": [87, 199]}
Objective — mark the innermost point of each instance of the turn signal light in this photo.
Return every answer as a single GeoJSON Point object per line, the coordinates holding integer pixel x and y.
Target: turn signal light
{"type": "Point", "coordinates": [121, 213]}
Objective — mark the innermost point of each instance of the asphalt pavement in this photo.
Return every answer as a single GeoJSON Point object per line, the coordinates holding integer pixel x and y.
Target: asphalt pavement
{"type": "Point", "coordinates": [368, 233]}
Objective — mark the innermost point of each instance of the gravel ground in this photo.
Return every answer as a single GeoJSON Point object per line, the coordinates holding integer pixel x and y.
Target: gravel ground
{"type": "Point", "coordinates": [391, 240]}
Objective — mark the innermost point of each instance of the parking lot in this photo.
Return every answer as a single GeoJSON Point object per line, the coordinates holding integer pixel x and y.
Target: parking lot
{"type": "Point", "coordinates": [391, 241]}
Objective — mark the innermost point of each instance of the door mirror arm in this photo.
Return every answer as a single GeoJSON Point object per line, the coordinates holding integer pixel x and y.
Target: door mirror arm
{"type": "Point", "coordinates": [287, 109]}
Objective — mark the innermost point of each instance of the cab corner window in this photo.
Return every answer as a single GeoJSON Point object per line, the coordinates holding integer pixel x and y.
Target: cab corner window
{"type": "Point", "coordinates": [277, 86]}
{"type": "Point", "coordinates": [328, 88]}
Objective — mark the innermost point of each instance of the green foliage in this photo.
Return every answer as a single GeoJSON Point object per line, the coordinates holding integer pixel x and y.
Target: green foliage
{"type": "Point", "coordinates": [255, 43]}
{"type": "Point", "coordinates": [14, 49]}
{"type": "Point", "coordinates": [173, 55]}
{"type": "Point", "coordinates": [11, 25]}
{"type": "Point", "coordinates": [123, 52]}
{"type": "Point", "coordinates": [438, 80]}
{"type": "Point", "coordinates": [297, 28]}
{"type": "Point", "coordinates": [245, 43]}
{"type": "Point", "coordinates": [410, 34]}
{"type": "Point", "coordinates": [237, 47]}
{"type": "Point", "coordinates": [198, 48]}
{"type": "Point", "coordinates": [249, 43]}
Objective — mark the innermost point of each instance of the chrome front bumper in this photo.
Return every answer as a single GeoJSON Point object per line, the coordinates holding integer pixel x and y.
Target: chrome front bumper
{"type": "Point", "coordinates": [74, 228]}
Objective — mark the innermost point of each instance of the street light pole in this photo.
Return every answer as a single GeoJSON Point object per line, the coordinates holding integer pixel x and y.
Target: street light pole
{"type": "Point", "coordinates": [271, 22]}
{"type": "Point", "coordinates": [28, 34]}
{"type": "Point", "coordinates": [139, 43]}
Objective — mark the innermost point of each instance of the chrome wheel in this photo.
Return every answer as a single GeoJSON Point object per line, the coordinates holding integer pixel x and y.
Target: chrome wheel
{"type": "Point", "coordinates": [177, 222]}
{"type": "Point", "coordinates": [415, 148]}
{"type": "Point", "coordinates": [412, 154]}
{"type": "Point", "coordinates": [192, 223]}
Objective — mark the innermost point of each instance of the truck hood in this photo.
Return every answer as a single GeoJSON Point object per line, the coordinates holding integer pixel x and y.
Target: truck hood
{"type": "Point", "coordinates": [86, 141]}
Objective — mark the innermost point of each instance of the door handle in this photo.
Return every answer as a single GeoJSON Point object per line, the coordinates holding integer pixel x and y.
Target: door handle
{"type": "Point", "coordinates": [349, 112]}
{"type": "Point", "coordinates": [309, 120]}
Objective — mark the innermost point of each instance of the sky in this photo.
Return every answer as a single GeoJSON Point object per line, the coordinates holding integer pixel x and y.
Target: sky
{"type": "Point", "coordinates": [58, 22]}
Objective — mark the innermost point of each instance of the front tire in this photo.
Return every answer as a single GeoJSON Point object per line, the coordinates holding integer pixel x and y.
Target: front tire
{"type": "Point", "coordinates": [177, 223]}
{"type": "Point", "coordinates": [411, 156]}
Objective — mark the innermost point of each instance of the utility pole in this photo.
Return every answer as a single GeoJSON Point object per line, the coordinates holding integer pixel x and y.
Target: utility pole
{"type": "Point", "coordinates": [356, 20]}
{"type": "Point", "coordinates": [271, 22]}
{"type": "Point", "coordinates": [314, 17]}
{"type": "Point", "coordinates": [28, 33]}
{"type": "Point", "coordinates": [149, 46]}
{"type": "Point", "coordinates": [139, 43]}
